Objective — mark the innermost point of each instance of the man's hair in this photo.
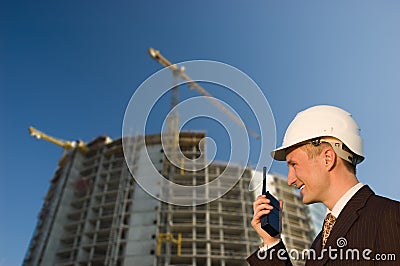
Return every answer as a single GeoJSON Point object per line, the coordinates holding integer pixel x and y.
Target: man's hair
{"type": "Point", "coordinates": [313, 151]}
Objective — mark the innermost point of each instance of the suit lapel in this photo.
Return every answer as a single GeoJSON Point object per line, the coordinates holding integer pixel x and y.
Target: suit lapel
{"type": "Point", "coordinates": [317, 244]}
{"type": "Point", "coordinates": [346, 219]}
{"type": "Point", "coordinates": [315, 247]}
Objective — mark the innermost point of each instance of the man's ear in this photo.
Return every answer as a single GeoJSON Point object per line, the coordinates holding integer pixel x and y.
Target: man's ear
{"type": "Point", "coordinates": [329, 158]}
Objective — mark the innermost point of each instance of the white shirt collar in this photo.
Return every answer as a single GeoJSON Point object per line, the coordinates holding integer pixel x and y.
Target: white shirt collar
{"type": "Point", "coordinates": [337, 209]}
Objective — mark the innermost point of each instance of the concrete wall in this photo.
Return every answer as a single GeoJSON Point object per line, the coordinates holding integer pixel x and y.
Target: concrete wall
{"type": "Point", "coordinates": [141, 245]}
{"type": "Point", "coordinates": [62, 207]}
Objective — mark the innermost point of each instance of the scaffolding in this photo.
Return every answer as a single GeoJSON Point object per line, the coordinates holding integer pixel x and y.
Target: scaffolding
{"type": "Point", "coordinates": [112, 221]}
{"type": "Point", "coordinates": [125, 185]}
{"type": "Point", "coordinates": [41, 240]}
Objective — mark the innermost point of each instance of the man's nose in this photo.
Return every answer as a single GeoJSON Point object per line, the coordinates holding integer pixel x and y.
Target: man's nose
{"type": "Point", "coordinates": [291, 178]}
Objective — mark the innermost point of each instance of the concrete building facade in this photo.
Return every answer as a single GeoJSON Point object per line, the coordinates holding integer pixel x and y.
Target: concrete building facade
{"type": "Point", "coordinates": [95, 213]}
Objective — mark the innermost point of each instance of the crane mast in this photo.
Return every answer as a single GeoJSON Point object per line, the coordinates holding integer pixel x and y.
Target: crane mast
{"type": "Point", "coordinates": [172, 120]}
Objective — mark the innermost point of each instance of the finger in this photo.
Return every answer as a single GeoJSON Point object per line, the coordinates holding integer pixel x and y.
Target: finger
{"type": "Point", "coordinates": [261, 213]}
{"type": "Point", "coordinates": [281, 204]}
{"type": "Point", "coordinates": [257, 217]}
{"type": "Point", "coordinates": [261, 196]}
{"type": "Point", "coordinates": [263, 206]}
{"type": "Point", "coordinates": [260, 200]}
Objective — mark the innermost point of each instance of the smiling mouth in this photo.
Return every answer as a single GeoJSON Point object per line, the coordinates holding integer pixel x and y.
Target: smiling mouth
{"type": "Point", "coordinates": [299, 188]}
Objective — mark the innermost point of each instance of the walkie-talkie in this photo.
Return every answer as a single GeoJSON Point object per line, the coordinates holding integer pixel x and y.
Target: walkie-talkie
{"type": "Point", "coordinates": [271, 223]}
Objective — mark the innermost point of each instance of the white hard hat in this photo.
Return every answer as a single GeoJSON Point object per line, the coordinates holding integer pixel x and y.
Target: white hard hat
{"type": "Point", "coordinates": [324, 121]}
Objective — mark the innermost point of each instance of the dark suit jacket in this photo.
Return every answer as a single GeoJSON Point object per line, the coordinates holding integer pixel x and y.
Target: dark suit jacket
{"type": "Point", "coordinates": [370, 226]}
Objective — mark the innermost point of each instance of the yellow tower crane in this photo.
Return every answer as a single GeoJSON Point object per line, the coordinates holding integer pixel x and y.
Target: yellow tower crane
{"type": "Point", "coordinates": [155, 54]}
{"type": "Point", "coordinates": [168, 237]}
{"type": "Point", "coordinates": [65, 144]}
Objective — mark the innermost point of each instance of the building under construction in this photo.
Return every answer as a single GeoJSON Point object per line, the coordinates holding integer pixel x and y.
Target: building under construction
{"type": "Point", "coordinates": [96, 214]}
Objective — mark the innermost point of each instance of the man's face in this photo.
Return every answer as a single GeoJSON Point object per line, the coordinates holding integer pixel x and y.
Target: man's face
{"type": "Point", "coordinates": [308, 175]}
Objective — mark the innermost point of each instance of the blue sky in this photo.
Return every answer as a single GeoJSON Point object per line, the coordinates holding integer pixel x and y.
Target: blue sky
{"type": "Point", "coordinates": [69, 68]}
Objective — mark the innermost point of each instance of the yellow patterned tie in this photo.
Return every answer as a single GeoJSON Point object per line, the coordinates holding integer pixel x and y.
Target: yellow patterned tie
{"type": "Point", "coordinates": [328, 224]}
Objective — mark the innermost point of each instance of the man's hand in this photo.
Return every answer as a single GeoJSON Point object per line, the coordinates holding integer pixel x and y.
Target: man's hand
{"type": "Point", "coordinates": [262, 207]}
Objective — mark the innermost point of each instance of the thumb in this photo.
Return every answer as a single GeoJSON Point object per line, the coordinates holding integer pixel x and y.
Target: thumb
{"type": "Point", "coordinates": [281, 204]}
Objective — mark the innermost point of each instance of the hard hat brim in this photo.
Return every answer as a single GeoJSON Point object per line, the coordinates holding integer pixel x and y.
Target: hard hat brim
{"type": "Point", "coordinates": [279, 154]}
{"type": "Point", "coordinates": [322, 121]}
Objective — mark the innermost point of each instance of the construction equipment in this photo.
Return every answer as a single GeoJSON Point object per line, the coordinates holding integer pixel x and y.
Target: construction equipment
{"type": "Point", "coordinates": [155, 54]}
{"type": "Point", "coordinates": [164, 237]}
{"type": "Point", "coordinates": [66, 145]}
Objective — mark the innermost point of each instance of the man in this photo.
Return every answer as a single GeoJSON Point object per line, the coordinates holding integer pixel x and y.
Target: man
{"type": "Point", "coordinates": [322, 147]}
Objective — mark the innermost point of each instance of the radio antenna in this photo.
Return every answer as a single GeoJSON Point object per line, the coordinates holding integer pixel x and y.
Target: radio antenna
{"type": "Point", "coordinates": [264, 186]}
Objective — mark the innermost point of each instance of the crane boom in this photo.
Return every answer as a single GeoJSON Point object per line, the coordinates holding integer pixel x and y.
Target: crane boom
{"type": "Point", "coordinates": [67, 145]}
{"type": "Point", "coordinates": [155, 54]}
